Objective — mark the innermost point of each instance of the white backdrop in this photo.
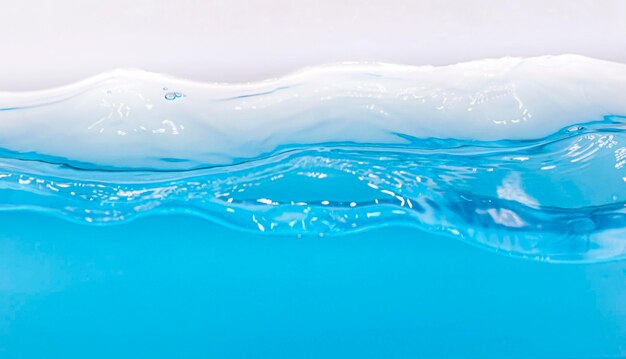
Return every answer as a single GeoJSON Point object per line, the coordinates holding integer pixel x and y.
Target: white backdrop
{"type": "Point", "coordinates": [51, 42]}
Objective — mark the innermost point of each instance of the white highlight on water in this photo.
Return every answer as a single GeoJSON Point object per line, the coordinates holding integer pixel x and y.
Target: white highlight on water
{"type": "Point", "coordinates": [132, 118]}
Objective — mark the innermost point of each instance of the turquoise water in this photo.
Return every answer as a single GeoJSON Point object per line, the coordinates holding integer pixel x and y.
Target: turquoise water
{"type": "Point", "coordinates": [346, 211]}
{"type": "Point", "coordinates": [180, 286]}
{"type": "Point", "coordinates": [560, 198]}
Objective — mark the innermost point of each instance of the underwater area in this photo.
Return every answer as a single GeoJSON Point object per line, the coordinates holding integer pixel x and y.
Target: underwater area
{"type": "Point", "coordinates": [180, 286]}
{"type": "Point", "coordinates": [349, 210]}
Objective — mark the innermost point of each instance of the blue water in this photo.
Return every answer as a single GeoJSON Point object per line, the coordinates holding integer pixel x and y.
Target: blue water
{"type": "Point", "coordinates": [558, 198]}
{"type": "Point", "coordinates": [343, 212]}
{"type": "Point", "coordinates": [180, 286]}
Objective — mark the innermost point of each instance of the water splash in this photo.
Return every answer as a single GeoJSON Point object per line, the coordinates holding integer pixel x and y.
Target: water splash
{"type": "Point", "coordinates": [482, 161]}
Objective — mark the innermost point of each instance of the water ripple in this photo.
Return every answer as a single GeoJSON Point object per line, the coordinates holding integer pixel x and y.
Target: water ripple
{"type": "Point", "coordinates": [524, 157]}
{"type": "Point", "coordinates": [561, 198]}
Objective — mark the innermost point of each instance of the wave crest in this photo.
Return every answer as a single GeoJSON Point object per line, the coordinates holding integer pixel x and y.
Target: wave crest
{"type": "Point", "coordinates": [137, 120]}
{"type": "Point", "coordinates": [492, 152]}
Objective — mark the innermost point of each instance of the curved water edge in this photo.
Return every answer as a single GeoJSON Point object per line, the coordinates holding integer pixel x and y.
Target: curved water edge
{"type": "Point", "coordinates": [131, 119]}
{"type": "Point", "coordinates": [522, 156]}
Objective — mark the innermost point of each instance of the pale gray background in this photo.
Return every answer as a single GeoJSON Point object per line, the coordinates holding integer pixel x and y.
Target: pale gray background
{"type": "Point", "coordinates": [46, 43]}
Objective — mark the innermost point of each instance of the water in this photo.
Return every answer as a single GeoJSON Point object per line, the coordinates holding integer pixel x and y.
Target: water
{"type": "Point", "coordinates": [343, 211]}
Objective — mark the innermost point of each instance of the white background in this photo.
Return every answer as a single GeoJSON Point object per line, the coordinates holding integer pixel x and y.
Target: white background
{"type": "Point", "coordinates": [46, 43]}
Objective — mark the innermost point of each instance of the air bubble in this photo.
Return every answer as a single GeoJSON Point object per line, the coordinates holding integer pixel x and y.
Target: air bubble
{"type": "Point", "coordinates": [575, 128]}
{"type": "Point", "coordinates": [171, 96]}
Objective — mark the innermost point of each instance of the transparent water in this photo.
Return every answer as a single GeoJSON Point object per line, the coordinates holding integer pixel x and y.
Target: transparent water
{"type": "Point", "coordinates": [351, 211]}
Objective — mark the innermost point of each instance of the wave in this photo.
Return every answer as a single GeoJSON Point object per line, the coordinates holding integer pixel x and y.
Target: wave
{"type": "Point", "coordinates": [130, 119]}
{"type": "Point", "coordinates": [523, 156]}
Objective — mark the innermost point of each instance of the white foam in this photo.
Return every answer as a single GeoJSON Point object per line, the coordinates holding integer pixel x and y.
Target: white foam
{"type": "Point", "coordinates": [123, 118]}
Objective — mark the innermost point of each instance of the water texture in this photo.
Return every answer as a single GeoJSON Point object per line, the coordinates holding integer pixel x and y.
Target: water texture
{"type": "Point", "coordinates": [525, 157]}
